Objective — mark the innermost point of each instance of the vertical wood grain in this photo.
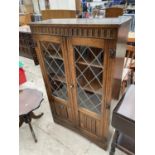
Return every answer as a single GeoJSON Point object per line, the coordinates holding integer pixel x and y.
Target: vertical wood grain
{"type": "Point", "coordinates": [67, 76]}
{"type": "Point", "coordinates": [64, 113]}
{"type": "Point", "coordinates": [69, 111]}
{"type": "Point", "coordinates": [57, 109]}
{"type": "Point", "coordinates": [110, 44]}
{"type": "Point", "coordinates": [93, 126]}
{"type": "Point", "coordinates": [85, 121]}
{"type": "Point", "coordinates": [71, 66]}
{"type": "Point", "coordinates": [88, 123]}
{"type": "Point", "coordinates": [98, 127]}
{"type": "Point", "coordinates": [81, 120]}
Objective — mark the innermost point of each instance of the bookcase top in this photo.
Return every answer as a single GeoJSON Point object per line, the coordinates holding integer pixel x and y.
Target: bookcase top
{"type": "Point", "coordinates": [85, 22]}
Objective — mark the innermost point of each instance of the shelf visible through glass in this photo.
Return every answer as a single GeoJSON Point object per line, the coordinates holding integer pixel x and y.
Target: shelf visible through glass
{"type": "Point", "coordinates": [89, 100]}
{"type": "Point", "coordinates": [89, 76]}
{"type": "Point", "coordinates": [53, 50]}
{"type": "Point", "coordinates": [89, 56]}
{"type": "Point", "coordinates": [55, 69]}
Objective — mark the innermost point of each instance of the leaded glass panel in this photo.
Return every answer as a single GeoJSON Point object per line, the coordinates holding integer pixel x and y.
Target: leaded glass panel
{"type": "Point", "coordinates": [89, 76]}
{"type": "Point", "coordinates": [55, 68]}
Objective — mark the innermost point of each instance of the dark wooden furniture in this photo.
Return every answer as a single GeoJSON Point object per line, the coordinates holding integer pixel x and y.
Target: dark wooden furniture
{"type": "Point", "coordinates": [29, 100]}
{"type": "Point", "coordinates": [52, 14]}
{"type": "Point", "coordinates": [113, 12]}
{"type": "Point", "coordinates": [123, 120]}
{"type": "Point", "coordinates": [26, 44]}
{"type": "Point", "coordinates": [77, 59]}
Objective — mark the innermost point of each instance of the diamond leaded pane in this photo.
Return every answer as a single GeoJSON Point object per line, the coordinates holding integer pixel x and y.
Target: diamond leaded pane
{"type": "Point", "coordinates": [89, 76]}
{"type": "Point", "coordinates": [55, 68]}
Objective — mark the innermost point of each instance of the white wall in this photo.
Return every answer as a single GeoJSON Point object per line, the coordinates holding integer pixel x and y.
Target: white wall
{"type": "Point", "coordinates": [62, 4]}
{"type": "Point", "coordinates": [42, 4]}
{"type": "Point", "coordinates": [36, 7]}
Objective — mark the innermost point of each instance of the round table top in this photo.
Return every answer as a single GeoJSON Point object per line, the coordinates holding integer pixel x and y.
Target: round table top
{"type": "Point", "coordinates": [29, 100]}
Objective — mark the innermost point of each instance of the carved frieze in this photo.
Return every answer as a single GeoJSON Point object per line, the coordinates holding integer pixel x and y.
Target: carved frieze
{"type": "Point", "coordinates": [105, 33]}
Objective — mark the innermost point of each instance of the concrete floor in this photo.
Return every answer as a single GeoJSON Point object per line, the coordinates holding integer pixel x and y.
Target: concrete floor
{"type": "Point", "coordinates": [53, 139]}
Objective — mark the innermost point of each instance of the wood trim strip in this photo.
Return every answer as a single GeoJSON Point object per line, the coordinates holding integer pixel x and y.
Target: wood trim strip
{"type": "Point", "coordinates": [54, 39]}
{"type": "Point", "coordinates": [98, 43]}
{"type": "Point", "coordinates": [45, 76]}
{"type": "Point", "coordinates": [68, 77]}
{"type": "Point", "coordinates": [89, 113]}
{"type": "Point", "coordinates": [84, 31]}
{"type": "Point", "coordinates": [72, 72]}
{"type": "Point", "coordinates": [108, 85]}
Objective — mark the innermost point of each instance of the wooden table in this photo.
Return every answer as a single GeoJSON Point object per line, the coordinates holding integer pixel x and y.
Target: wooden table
{"type": "Point", "coordinates": [29, 100]}
{"type": "Point", "coordinates": [123, 120]}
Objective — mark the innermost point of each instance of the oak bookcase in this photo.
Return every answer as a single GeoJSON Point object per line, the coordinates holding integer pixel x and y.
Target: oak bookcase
{"type": "Point", "coordinates": [77, 59]}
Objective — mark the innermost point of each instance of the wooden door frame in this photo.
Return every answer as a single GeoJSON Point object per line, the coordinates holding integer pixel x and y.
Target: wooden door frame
{"type": "Point", "coordinates": [44, 74]}
{"type": "Point", "coordinates": [98, 43]}
{"type": "Point", "coordinates": [109, 71]}
{"type": "Point", "coordinates": [70, 72]}
{"type": "Point", "coordinates": [60, 40]}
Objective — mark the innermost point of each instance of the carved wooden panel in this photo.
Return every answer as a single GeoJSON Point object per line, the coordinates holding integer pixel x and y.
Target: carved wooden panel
{"type": "Point", "coordinates": [89, 123]}
{"type": "Point", "coordinates": [105, 33]}
{"type": "Point", "coordinates": [61, 110]}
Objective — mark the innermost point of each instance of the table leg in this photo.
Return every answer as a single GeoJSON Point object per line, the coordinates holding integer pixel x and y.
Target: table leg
{"type": "Point", "coordinates": [21, 121]}
{"type": "Point", "coordinates": [33, 134]}
{"type": "Point", "coordinates": [27, 119]}
{"type": "Point", "coordinates": [36, 116]}
{"type": "Point", "coordinates": [114, 142]}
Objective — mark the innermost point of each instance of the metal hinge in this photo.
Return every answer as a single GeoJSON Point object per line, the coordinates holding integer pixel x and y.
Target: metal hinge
{"type": "Point", "coordinates": [112, 53]}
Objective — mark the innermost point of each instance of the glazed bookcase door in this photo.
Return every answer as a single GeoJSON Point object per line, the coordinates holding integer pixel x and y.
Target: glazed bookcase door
{"type": "Point", "coordinates": [88, 79]}
{"type": "Point", "coordinates": [54, 59]}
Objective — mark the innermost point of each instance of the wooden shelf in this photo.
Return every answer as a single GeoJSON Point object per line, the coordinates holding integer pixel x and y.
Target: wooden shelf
{"type": "Point", "coordinates": [88, 62]}
{"type": "Point", "coordinates": [92, 87]}
{"type": "Point", "coordinates": [54, 56]}
{"type": "Point", "coordinates": [58, 78]}
{"type": "Point", "coordinates": [61, 92]}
